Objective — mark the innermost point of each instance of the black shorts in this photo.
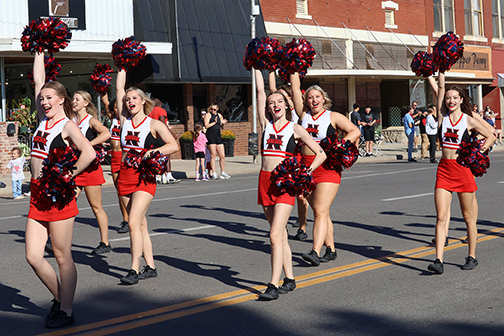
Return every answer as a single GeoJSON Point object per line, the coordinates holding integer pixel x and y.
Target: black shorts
{"type": "Point", "coordinates": [214, 139]}
{"type": "Point", "coordinates": [369, 133]}
{"type": "Point", "coordinates": [200, 155]}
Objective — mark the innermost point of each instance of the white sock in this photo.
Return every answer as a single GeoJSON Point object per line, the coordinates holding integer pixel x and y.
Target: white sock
{"type": "Point", "coordinates": [169, 176]}
{"type": "Point", "coordinates": [197, 174]}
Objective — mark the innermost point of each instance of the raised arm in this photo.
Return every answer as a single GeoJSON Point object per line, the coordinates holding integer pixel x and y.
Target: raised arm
{"type": "Point", "coordinates": [297, 96]}
{"type": "Point", "coordinates": [120, 92]}
{"type": "Point", "coordinates": [261, 97]}
{"type": "Point", "coordinates": [441, 94]}
{"type": "Point", "coordinates": [106, 102]}
{"type": "Point", "coordinates": [39, 81]}
{"type": "Point", "coordinates": [272, 81]}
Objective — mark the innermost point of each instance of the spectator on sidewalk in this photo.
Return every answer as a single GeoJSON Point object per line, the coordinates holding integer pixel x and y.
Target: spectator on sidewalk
{"type": "Point", "coordinates": [160, 114]}
{"type": "Point", "coordinates": [416, 118]}
{"type": "Point", "coordinates": [409, 129]}
{"type": "Point", "coordinates": [423, 134]}
{"type": "Point", "coordinates": [431, 128]}
{"type": "Point", "coordinates": [355, 118]}
{"type": "Point", "coordinates": [16, 167]}
{"type": "Point", "coordinates": [369, 130]}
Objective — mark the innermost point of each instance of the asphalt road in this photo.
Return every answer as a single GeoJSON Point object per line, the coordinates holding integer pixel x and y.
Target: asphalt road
{"type": "Point", "coordinates": [212, 254]}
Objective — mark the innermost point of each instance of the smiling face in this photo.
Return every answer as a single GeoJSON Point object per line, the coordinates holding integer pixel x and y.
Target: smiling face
{"type": "Point", "coordinates": [51, 102]}
{"type": "Point", "coordinates": [315, 101]}
{"type": "Point", "coordinates": [78, 103]}
{"type": "Point", "coordinates": [453, 100]}
{"type": "Point", "coordinates": [276, 106]}
{"type": "Point", "coordinates": [134, 103]}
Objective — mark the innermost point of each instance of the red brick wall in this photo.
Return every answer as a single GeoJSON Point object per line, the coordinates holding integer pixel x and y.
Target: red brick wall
{"type": "Point", "coordinates": [356, 14]}
{"type": "Point", "coordinates": [6, 144]}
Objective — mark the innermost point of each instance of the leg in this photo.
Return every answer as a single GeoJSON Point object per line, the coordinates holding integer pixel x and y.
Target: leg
{"type": "Point", "coordinates": [411, 138]}
{"type": "Point", "coordinates": [302, 208]}
{"type": "Point", "coordinates": [213, 154]}
{"type": "Point", "coordinates": [137, 205]}
{"type": "Point", "coordinates": [222, 158]}
{"type": "Point", "coordinates": [36, 237]}
{"type": "Point", "coordinates": [425, 144]}
{"type": "Point", "coordinates": [16, 188]}
{"type": "Point", "coordinates": [124, 213]}
{"type": "Point", "coordinates": [320, 201]}
{"type": "Point", "coordinates": [432, 148]}
{"type": "Point", "coordinates": [94, 197]}
{"type": "Point", "coordinates": [469, 207]}
{"type": "Point", "coordinates": [442, 199]}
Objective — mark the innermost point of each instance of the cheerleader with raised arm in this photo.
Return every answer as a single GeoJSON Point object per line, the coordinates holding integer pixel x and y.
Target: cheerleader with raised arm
{"type": "Point", "coordinates": [45, 217]}
{"type": "Point", "coordinates": [116, 154]}
{"type": "Point", "coordinates": [278, 143]}
{"type": "Point", "coordinates": [91, 179]}
{"type": "Point", "coordinates": [139, 132]}
{"type": "Point", "coordinates": [320, 122]}
{"type": "Point", "coordinates": [457, 122]}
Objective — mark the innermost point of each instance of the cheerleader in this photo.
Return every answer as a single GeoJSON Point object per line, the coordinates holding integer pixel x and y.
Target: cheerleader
{"type": "Point", "coordinates": [302, 203]}
{"type": "Point", "coordinates": [320, 122]}
{"type": "Point", "coordinates": [116, 153]}
{"type": "Point", "coordinates": [91, 179]}
{"type": "Point", "coordinates": [457, 122]}
{"type": "Point", "coordinates": [139, 132]}
{"type": "Point", "coordinates": [278, 143]}
{"type": "Point", "coordinates": [54, 109]}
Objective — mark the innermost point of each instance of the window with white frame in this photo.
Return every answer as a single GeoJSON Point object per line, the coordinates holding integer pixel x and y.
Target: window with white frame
{"type": "Point", "coordinates": [390, 8]}
{"type": "Point", "coordinates": [473, 17]}
{"type": "Point", "coordinates": [302, 9]}
{"type": "Point", "coordinates": [443, 16]}
{"type": "Point", "coordinates": [498, 18]}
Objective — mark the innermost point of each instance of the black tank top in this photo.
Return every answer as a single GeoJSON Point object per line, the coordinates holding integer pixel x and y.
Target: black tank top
{"type": "Point", "coordinates": [215, 129]}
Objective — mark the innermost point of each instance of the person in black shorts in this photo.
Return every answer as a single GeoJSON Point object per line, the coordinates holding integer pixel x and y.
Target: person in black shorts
{"type": "Point", "coordinates": [368, 121]}
{"type": "Point", "coordinates": [213, 124]}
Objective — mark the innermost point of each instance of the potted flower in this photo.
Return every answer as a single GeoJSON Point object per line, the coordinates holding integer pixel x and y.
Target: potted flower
{"type": "Point", "coordinates": [23, 115]}
{"type": "Point", "coordinates": [187, 146]}
{"type": "Point", "coordinates": [229, 138]}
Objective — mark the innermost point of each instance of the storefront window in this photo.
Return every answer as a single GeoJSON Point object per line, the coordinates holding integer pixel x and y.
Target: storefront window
{"type": "Point", "coordinates": [171, 97]}
{"type": "Point", "coordinates": [233, 102]}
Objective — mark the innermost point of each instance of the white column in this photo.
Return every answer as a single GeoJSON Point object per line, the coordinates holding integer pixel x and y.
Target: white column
{"type": "Point", "coordinates": [352, 98]}
{"type": "Point", "coordinates": [349, 53]}
{"type": "Point", "coordinates": [3, 115]}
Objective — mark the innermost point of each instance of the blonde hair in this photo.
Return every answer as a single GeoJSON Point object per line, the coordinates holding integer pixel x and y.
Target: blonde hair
{"type": "Point", "coordinates": [149, 104]}
{"type": "Point", "coordinates": [62, 93]}
{"type": "Point", "coordinates": [90, 108]}
{"type": "Point", "coordinates": [327, 101]}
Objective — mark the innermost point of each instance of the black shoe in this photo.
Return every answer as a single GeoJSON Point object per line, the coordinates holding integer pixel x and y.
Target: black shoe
{"type": "Point", "coordinates": [102, 248]}
{"type": "Point", "coordinates": [147, 272]}
{"type": "Point", "coordinates": [131, 278]}
{"type": "Point", "coordinates": [124, 227]}
{"type": "Point", "coordinates": [465, 241]}
{"type": "Point", "coordinates": [287, 286]}
{"type": "Point", "coordinates": [434, 161]}
{"type": "Point", "coordinates": [271, 293]}
{"type": "Point", "coordinates": [437, 267]}
{"type": "Point", "coordinates": [296, 223]}
{"type": "Point", "coordinates": [60, 320]}
{"type": "Point", "coordinates": [300, 235]}
{"type": "Point", "coordinates": [48, 248]}
{"type": "Point", "coordinates": [412, 160]}
{"type": "Point", "coordinates": [470, 264]}
{"type": "Point", "coordinates": [445, 243]}
{"type": "Point", "coordinates": [312, 258]}
{"type": "Point", "coordinates": [54, 308]}
{"type": "Point", "coordinates": [329, 255]}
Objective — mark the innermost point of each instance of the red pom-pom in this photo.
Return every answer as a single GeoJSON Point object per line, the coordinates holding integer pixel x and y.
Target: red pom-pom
{"type": "Point", "coordinates": [149, 167]}
{"type": "Point", "coordinates": [447, 50]}
{"type": "Point", "coordinates": [52, 70]}
{"type": "Point", "coordinates": [56, 178]}
{"type": "Point", "coordinates": [100, 78]}
{"type": "Point", "coordinates": [340, 155]}
{"type": "Point", "coordinates": [470, 156]}
{"type": "Point", "coordinates": [293, 178]}
{"type": "Point", "coordinates": [128, 53]}
{"type": "Point", "coordinates": [423, 64]}
{"type": "Point", "coordinates": [298, 56]}
{"type": "Point", "coordinates": [263, 53]}
{"type": "Point", "coordinates": [49, 34]}
{"type": "Point", "coordinates": [285, 76]}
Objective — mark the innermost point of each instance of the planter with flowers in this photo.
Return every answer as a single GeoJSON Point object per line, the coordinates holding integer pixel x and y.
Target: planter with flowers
{"type": "Point", "coordinates": [24, 116]}
{"type": "Point", "coordinates": [228, 137]}
{"type": "Point", "coordinates": [186, 146]}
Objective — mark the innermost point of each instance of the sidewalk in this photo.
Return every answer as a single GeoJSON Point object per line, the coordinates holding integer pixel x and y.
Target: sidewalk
{"type": "Point", "coordinates": [184, 169]}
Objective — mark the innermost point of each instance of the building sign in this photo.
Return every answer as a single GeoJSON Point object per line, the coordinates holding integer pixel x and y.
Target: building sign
{"type": "Point", "coordinates": [58, 8]}
{"type": "Point", "coordinates": [476, 60]}
{"type": "Point", "coordinates": [72, 12]}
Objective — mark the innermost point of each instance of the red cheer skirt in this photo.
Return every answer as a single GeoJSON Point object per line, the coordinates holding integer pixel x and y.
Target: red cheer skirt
{"type": "Point", "coordinates": [269, 194]}
{"type": "Point", "coordinates": [455, 178]}
{"type": "Point", "coordinates": [115, 162]}
{"type": "Point", "coordinates": [91, 176]}
{"type": "Point", "coordinates": [129, 181]}
{"type": "Point", "coordinates": [43, 209]}
{"type": "Point", "coordinates": [321, 174]}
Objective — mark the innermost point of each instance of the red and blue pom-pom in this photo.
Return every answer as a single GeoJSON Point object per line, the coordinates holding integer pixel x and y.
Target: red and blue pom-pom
{"type": "Point", "coordinates": [148, 168]}
{"type": "Point", "coordinates": [101, 153]}
{"type": "Point", "coordinates": [470, 156]}
{"type": "Point", "coordinates": [100, 78]}
{"type": "Point", "coordinates": [340, 155]}
{"type": "Point", "coordinates": [49, 34]}
{"type": "Point", "coordinates": [298, 56]}
{"type": "Point", "coordinates": [447, 50]}
{"type": "Point", "coordinates": [423, 64]}
{"type": "Point", "coordinates": [263, 53]}
{"type": "Point", "coordinates": [285, 76]}
{"type": "Point", "coordinates": [56, 178]}
{"type": "Point", "coordinates": [293, 178]}
{"type": "Point", "coordinates": [52, 70]}
{"type": "Point", "coordinates": [128, 53]}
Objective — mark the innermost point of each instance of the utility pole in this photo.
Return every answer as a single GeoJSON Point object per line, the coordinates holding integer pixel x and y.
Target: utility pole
{"type": "Point", "coordinates": [253, 137]}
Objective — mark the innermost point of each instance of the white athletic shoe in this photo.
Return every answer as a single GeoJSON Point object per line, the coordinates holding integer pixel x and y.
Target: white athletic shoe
{"type": "Point", "coordinates": [224, 176]}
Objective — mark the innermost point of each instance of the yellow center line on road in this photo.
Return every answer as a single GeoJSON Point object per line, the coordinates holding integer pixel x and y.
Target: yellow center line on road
{"type": "Point", "coordinates": [183, 309]}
